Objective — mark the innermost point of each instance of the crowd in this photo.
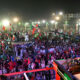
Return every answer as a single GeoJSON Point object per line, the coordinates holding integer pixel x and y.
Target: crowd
{"type": "Point", "coordinates": [38, 54]}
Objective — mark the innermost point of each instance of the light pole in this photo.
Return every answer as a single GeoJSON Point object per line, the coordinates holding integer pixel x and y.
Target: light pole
{"type": "Point", "coordinates": [26, 25]}
{"type": "Point", "coordinates": [15, 21]}
{"type": "Point", "coordinates": [78, 25]}
{"type": "Point", "coordinates": [45, 25]}
{"type": "Point", "coordinates": [53, 23]}
{"type": "Point", "coordinates": [56, 23]}
{"type": "Point", "coordinates": [57, 18]}
{"type": "Point", "coordinates": [79, 28]}
{"type": "Point", "coordinates": [76, 28]}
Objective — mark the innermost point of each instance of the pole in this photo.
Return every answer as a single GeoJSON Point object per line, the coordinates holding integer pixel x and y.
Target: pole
{"type": "Point", "coordinates": [26, 76]}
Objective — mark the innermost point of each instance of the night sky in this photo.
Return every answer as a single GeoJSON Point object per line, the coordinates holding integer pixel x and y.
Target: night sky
{"type": "Point", "coordinates": [37, 9]}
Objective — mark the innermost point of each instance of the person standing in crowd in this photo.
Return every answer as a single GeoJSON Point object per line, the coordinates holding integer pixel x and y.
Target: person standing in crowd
{"type": "Point", "coordinates": [26, 37]}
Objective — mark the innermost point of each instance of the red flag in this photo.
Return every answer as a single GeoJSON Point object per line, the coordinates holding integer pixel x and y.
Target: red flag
{"type": "Point", "coordinates": [13, 38]}
{"type": "Point", "coordinates": [32, 32]}
{"type": "Point", "coordinates": [55, 68]}
{"type": "Point", "coordinates": [36, 25]}
{"type": "Point", "coordinates": [34, 29]}
{"type": "Point", "coordinates": [3, 28]}
{"type": "Point", "coordinates": [57, 77]}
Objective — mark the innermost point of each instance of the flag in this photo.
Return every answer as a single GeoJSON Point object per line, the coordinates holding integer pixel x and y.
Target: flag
{"type": "Point", "coordinates": [31, 27]}
{"type": "Point", "coordinates": [36, 25]}
{"type": "Point", "coordinates": [3, 28]}
{"type": "Point", "coordinates": [34, 29]}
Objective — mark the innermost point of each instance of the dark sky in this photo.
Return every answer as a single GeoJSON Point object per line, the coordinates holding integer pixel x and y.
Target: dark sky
{"type": "Point", "coordinates": [37, 9]}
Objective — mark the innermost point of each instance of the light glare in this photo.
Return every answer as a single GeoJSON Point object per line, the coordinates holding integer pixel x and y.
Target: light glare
{"type": "Point", "coordinates": [57, 18]}
{"type": "Point", "coordinates": [61, 13]}
{"type": "Point", "coordinates": [52, 21]}
{"type": "Point", "coordinates": [43, 21]}
{"type": "Point", "coordinates": [15, 19]}
{"type": "Point", "coordinates": [26, 23]}
{"type": "Point", "coordinates": [5, 22]}
{"type": "Point", "coordinates": [38, 22]}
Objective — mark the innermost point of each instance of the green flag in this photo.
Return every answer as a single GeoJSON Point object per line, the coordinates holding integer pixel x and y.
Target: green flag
{"type": "Point", "coordinates": [31, 27]}
{"type": "Point", "coordinates": [66, 76]}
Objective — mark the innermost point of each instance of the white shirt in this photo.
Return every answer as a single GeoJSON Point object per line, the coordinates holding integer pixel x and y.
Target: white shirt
{"type": "Point", "coordinates": [51, 50]}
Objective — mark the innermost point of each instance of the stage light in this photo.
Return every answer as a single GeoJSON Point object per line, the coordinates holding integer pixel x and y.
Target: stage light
{"type": "Point", "coordinates": [5, 22]}
{"type": "Point", "coordinates": [57, 18]}
{"type": "Point", "coordinates": [52, 21]}
{"type": "Point", "coordinates": [61, 13]}
{"type": "Point", "coordinates": [43, 21]}
{"type": "Point", "coordinates": [15, 19]}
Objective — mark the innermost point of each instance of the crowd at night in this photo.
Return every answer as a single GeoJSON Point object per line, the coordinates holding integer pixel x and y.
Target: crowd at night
{"type": "Point", "coordinates": [37, 53]}
{"type": "Point", "coordinates": [39, 40]}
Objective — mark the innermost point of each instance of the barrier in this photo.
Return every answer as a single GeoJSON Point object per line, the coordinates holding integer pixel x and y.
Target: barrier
{"type": "Point", "coordinates": [60, 72]}
{"type": "Point", "coordinates": [35, 70]}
